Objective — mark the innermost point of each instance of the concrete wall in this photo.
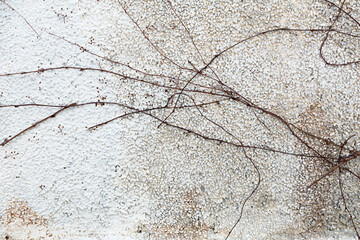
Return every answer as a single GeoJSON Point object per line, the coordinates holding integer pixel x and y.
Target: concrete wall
{"type": "Point", "coordinates": [130, 179]}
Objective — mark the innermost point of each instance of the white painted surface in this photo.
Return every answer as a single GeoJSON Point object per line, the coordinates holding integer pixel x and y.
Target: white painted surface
{"type": "Point", "coordinates": [61, 181]}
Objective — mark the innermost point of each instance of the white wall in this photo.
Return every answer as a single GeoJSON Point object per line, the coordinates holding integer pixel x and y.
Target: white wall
{"type": "Point", "coordinates": [130, 179]}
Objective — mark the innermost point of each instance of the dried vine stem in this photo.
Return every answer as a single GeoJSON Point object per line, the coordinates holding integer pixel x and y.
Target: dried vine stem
{"type": "Point", "coordinates": [6, 141]}
{"type": "Point", "coordinates": [221, 93]}
{"type": "Point", "coordinates": [27, 22]}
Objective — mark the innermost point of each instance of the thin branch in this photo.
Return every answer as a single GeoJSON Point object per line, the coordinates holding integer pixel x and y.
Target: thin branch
{"type": "Point", "coordinates": [345, 205]}
{"type": "Point", "coordinates": [27, 22]}
{"type": "Point", "coordinates": [6, 141]}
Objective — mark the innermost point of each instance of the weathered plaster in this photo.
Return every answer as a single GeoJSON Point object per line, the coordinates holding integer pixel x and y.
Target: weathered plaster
{"type": "Point", "coordinates": [132, 180]}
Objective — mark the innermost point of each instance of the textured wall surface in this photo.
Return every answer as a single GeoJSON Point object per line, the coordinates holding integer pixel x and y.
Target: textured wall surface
{"type": "Point", "coordinates": [134, 179]}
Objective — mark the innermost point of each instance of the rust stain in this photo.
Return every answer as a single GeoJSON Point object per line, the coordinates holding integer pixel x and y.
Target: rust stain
{"type": "Point", "coordinates": [22, 222]}
{"type": "Point", "coordinates": [20, 211]}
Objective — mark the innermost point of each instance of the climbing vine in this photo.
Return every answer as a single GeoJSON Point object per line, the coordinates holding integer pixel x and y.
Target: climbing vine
{"type": "Point", "coordinates": [198, 86]}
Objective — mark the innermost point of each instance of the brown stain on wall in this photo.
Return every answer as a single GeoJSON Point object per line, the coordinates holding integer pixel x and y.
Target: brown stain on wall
{"type": "Point", "coordinates": [316, 205]}
{"type": "Point", "coordinates": [314, 120]}
{"type": "Point", "coordinates": [22, 222]}
{"type": "Point", "coordinates": [189, 225]}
